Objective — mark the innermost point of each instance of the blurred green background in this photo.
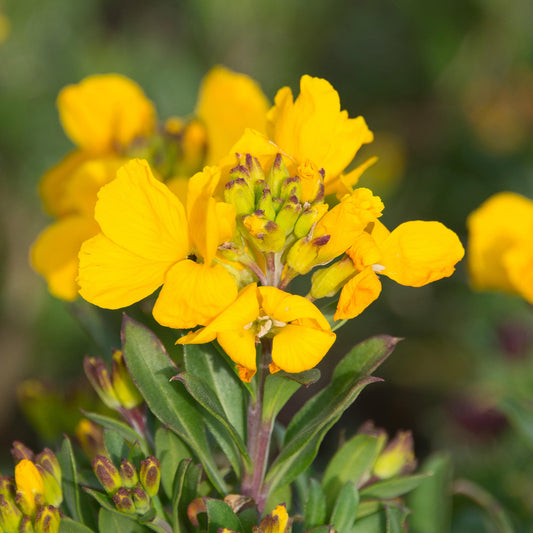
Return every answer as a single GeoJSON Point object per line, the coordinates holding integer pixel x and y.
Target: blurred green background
{"type": "Point", "coordinates": [447, 87]}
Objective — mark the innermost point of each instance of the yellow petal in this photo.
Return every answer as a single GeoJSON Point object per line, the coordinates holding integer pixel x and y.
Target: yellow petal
{"type": "Point", "coordinates": [80, 192]}
{"type": "Point", "coordinates": [227, 104]}
{"type": "Point", "coordinates": [55, 253]}
{"type": "Point", "coordinates": [297, 348]}
{"type": "Point", "coordinates": [243, 311]}
{"type": "Point", "coordinates": [240, 347]}
{"type": "Point", "coordinates": [30, 486]}
{"type": "Point", "coordinates": [497, 226]}
{"type": "Point", "coordinates": [104, 110]}
{"type": "Point", "coordinates": [179, 185]}
{"type": "Point", "coordinates": [194, 294]}
{"type": "Point", "coordinates": [287, 307]}
{"type": "Point", "coordinates": [519, 264]}
{"type": "Point", "coordinates": [417, 253]}
{"type": "Point", "coordinates": [112, 277]}
{"type": "Point", "coordinates": [358, 294]}
{"type": "Point", "coordinates": [54, 181]}
{"type": "Point", "coordinates": [314, 127]}
{"type": "Point", "coordinates": [140, 214]}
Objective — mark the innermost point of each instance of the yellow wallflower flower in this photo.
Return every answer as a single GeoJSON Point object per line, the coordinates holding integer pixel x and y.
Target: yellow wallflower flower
{"type": "Point", "coordinates": [414, 254]}
{"type": "Point", "coordinates": [148, 239]}
{"type": "Point", "coordinates": [275, 522]}
{"type": "Point", "coordinates": [30, 487]}
{"type": "Point", "coordinates": [500, 244]}
{"type": "Point", "coordinates": [301, 334]}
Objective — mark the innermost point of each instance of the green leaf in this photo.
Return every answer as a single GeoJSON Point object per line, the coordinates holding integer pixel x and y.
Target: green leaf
{"type": "Point", "coordinates": [170, 450]}
{"type": "Point", "coordinates": [117, 448]}
{"type": "Point", "coordinates": [367, 508]}
{"type": "Point", "coordinates": [206, 362]}
{"type": "Point", "coordinates": [220, 515]}
{"type": "Point", "coordinates": [281, 386]}
{"type": "Point", "coordinates": [352, 462]}
{"type": "Point", "coordinates": [103, 499]}
{"type": "Point", "coordinates": [321, 529]}
{"type": "Point", "coordinates": [80, 510]}
{"type": "Point", "coordinates": [315, 506]}
{"type": "Point", "coordinates": [206, 397]}
{"type": "Point", "coordinates": [345, 508]}
{"type": "Point", "coordinates": [152, 369]}
{"type": "Point", "coordinates": [185, 490]}
{"type": "Point", "coordinates": [67, 525]}
{"type": "Point", "coordinates": [396, 516]}
{"type": "Point", "coordinates": [392, 488]}
{"type": "Point", "coordinates": [431, 501]}
{"type": "Point", "coordinates": [125, 431]}
{"type": "Point", "coordinates": [118, 523]}
{"type": "Point", "coordinates": [521, 416]}
{"type": "Point", "coordinates": [374, 523]}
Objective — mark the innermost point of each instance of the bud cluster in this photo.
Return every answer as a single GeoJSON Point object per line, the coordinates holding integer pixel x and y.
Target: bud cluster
{"type": "Point", "coordinates": [274, 209]}
{"type": "Point", "coordinates": [131, 489]}
{"type": "Point", "coordinates": [29, 501]}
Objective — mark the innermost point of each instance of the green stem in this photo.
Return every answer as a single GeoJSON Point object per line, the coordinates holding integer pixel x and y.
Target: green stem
{"type": "Point", "coordinates": [259, 435]}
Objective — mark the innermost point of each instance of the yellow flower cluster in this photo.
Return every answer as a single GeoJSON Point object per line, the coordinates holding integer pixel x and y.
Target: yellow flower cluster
{"type": "Point", "coordinates": [501, 245]}
{"type": "Point", "coordinates": [226, 250]}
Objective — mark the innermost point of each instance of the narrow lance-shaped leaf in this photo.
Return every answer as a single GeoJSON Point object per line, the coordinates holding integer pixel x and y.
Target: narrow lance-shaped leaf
{"type": "Point", "coordinates": [152, 370]}
{"type": "Point", "coordinates": [345, 508]}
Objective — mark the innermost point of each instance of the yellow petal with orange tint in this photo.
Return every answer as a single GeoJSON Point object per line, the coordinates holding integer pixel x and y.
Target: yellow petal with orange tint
{"type": "Point", "coordinates": [497, 226]}
{"type": "Point", "coordinates": [55, 253]}
{"type": "Point", "coordinates": [297, 348]}
{"type": "Point", "coordinates": [112, 277]}
{"type": "Point", "coordinates": [314, 127]}
{"type": "Point", "coordinates": [140, 214]}
{"type": "Point", "coordinates": [193, 294]}
{"type": "Point", "coordinates": [519, 264]}
{"type": "Point", "coordinates": [227, 104]}
{"type": "Point", "coordinates": [417, 253]}
{"type": "Point", "coordinates": [103, 111]}
{"type": "Point", "coordinates": [358, 294]}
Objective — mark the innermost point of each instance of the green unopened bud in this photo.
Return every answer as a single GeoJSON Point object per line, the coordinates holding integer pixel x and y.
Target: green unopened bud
{"type": "Point", "coordinates": [125, 390]}
{"type": "Point", "coordinates": [277, 175]}
{"type": "Point", "coordinates": [10, 515]}
{"type": "Point", "coordinates": [7, 487]}
{"type": "Point", "coordinates": [291, 187]}
{"type": "Point", "coordinates": [47, 520]}
{"type": "Point", "coordinates": [123, 501]}
{"type": "Point", "coordinates": [129, 474]}
{"type": "Point", "coordinates": [98, 374]}
{"type": "Point", "coordinates": [21, 451]}
{"type": "Point", "coordinates": [265, 204]}
{"type": "Point", "coordinates": [310, 216]}
{"type": "Point", "coordinates": [303, 255]}
{"type": "Point", "coordinates": [52, 488]}
{"type": "Point", "coordinates": [266, 234]}
{"type": "Point", "coordinates": [107, 474]}
{"type": "Point", "coordinates": [239, 194]}
{"type": "Point", "coordinates": [48, 460]}
{"type": "Point", "coordinates": [150, 475]}
{"type": "Point", "coordinates": [254, 168]}
{"type": "Point", "coordinates": [328, 281]}
{"type": "Point", "coordinates": [397, 457]}
{"type": "Point", "coordinates": [288, 214]}
{"type": "Point", "coordinates": [26, 526]}
{"type": "Point", "coordinates": [140, 499]}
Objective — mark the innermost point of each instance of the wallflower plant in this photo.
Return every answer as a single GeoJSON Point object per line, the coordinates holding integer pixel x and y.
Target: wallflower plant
{"type": "Point", "coordinates": [199, 446]}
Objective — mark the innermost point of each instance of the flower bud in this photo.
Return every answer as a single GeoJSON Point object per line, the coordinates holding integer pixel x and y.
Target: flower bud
{"type": "Point", "coordinates": [25, 525]}
{"type": "Point", "coordinates": [30, 492]}
{"type": "Point", "coordinates": [129, 474]}
{"type": "Point", "coordinates": [303, 255]}
{"type": "Point", "coordinates": [98, 374]}
{"type": "Point", "coordinates": [312, 180]}
{"type": "Point", "coordinates": [21, 451]}
{"type": "Point", "coordinates": [277, 175]}
{"type": "Point", "coordinates": [123, 501]}
{"type": "Point", "coordinates": [47, 520]}
{"type": "Point", "coordinates": [7, 487]}
{"type": "Point", "coordinates": [255, 171]}
{"type": "Point", "coordinates": [91, 437]}
{"type": "Point", "coordinates": [10, 515]}
{"type": "Point", "coordinates": [107, 474]}
{"type": "Point", "coordinates": [140, 499]}
{"type": "Point", "coordinates": [308, 218]}
{"type": "Point", "coordinates": [328, 281]}
{"type": "Point", "coordinates": [125, 390]}
{"type": "Point", "coordinates": [48, 460]}
{"type": "Point", "coordinates": [238, 193]}
{"type": "Point", "coordinates": [397, 457]}
{"type": "Point", "coordinates": [291, 187]}
{"type": "Point", "coordinates": [288, 214]}
{"type": "Point", "coordinates": [150, 475]}
{"type": "Point", "coordinates": [266, 204]}
{"type": "Point", "coordinates": [52, 488]}
{"type": "Point", "coordinates": [266, 234]}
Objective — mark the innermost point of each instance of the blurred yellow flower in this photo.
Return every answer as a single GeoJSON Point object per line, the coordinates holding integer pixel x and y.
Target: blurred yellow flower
{"type": "Point", "coordinates": [500, 245]}
{"type": "Point", "coordinates": [301, 334]}
{"type": "Point", "coordinates": [147, 239]}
